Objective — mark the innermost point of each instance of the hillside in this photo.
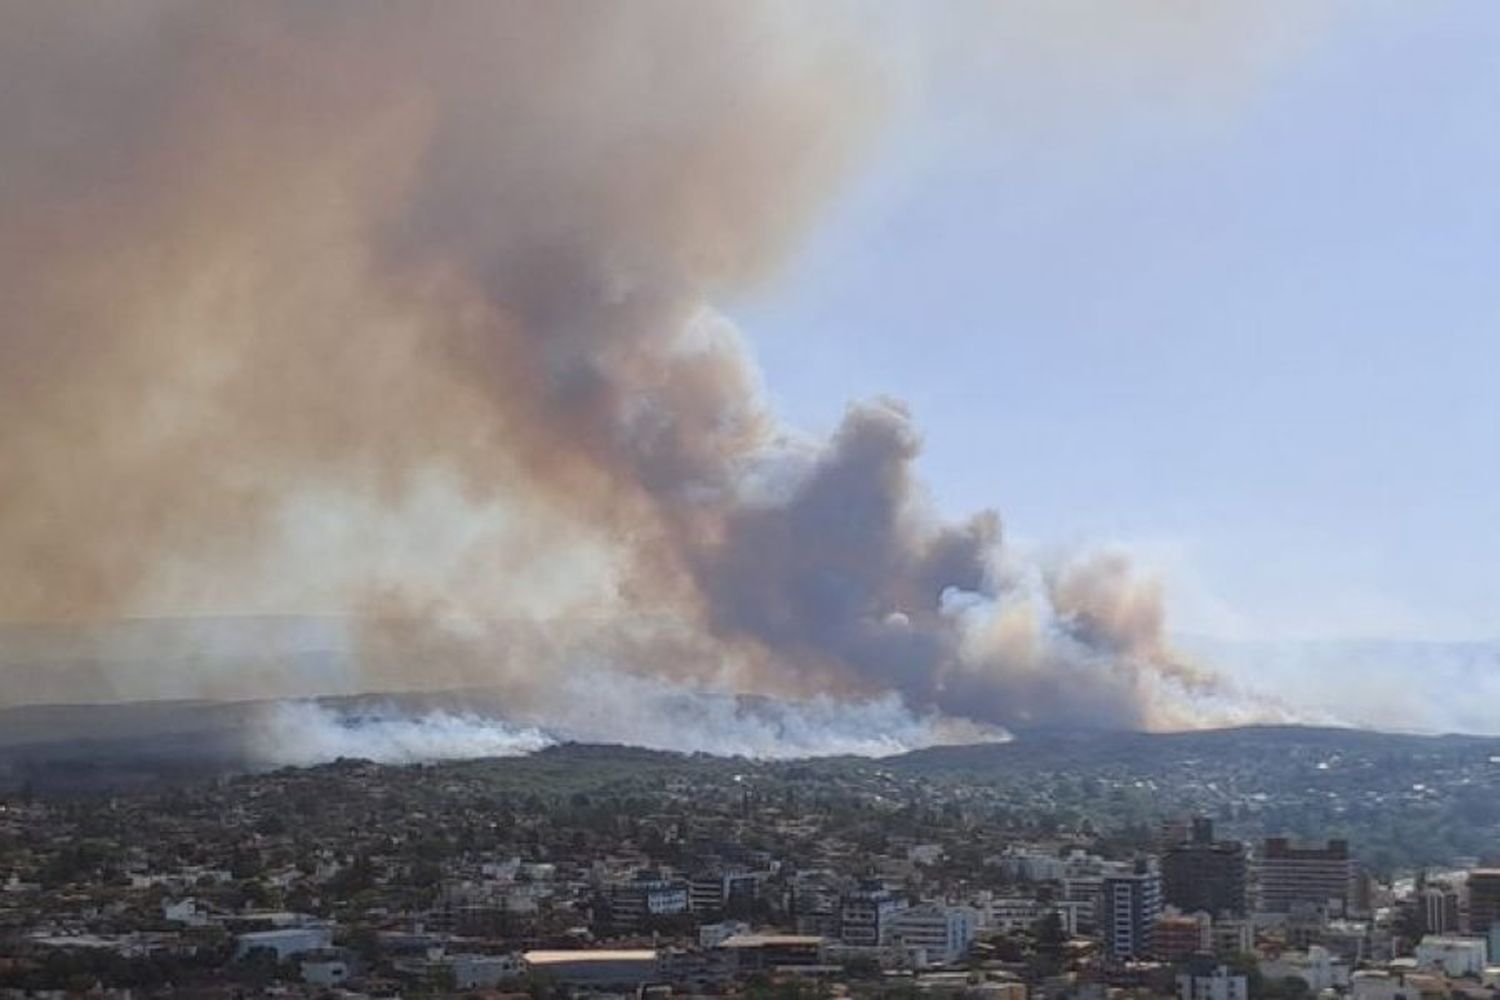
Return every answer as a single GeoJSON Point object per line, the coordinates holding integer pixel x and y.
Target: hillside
{"type": "Point", "coordinates": [1400, 798]}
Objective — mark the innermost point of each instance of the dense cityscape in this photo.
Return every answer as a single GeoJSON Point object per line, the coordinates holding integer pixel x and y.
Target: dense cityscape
{"type": "Point", "coordinates": [610, 871]}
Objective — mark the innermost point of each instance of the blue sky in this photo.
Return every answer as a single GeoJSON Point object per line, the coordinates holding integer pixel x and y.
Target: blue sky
{"type": "Point", "coordinates": [1236, 312]}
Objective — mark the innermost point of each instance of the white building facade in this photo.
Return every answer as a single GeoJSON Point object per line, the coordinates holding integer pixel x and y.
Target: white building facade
{"type": "Point", "coordinates": [943, 932]}
{"type": "Point", "coordinates": [1218, 983]}
{"type": "Point", "coordinates": [1454, 956]}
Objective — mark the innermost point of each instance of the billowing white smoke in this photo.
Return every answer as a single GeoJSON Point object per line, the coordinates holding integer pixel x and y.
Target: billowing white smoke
{"type": "Point", "coordinates": [612, 707]}
{"type": "Point", "coordinates": [302, 733]}
{"type": "Point", "coordinates": [616, 708]}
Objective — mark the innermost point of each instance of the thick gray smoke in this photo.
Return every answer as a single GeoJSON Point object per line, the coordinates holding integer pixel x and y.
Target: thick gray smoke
{"type": "Point", "coordinates": [405, 312]}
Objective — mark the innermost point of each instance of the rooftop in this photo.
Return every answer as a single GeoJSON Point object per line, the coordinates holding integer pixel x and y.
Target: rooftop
{"type": "Point", "coordinates": [772, 941]}
{"type": "Point", "coordinates": [590, 955]}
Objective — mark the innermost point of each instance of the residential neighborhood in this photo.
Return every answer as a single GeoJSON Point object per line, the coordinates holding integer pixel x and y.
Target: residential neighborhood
{"type": "Point", "coordinates": [619, 872]}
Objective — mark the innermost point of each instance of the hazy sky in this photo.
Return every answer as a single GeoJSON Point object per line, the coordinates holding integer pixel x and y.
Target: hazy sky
{"type": "Point", "coordinates": [1243, 322]}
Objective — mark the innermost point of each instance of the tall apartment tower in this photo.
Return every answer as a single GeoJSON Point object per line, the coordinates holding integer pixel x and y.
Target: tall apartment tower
{"type": "Point", "coordinates": [1203, 874]}
{"type": "Point", "coordinates": [1295, 876]}
{"type": "Point", "coordinates": [1484, 899]}
{"type": "Point", "coordinates": [1128, 907]}
{"type": "Point", "coordinates": [1438, 909]}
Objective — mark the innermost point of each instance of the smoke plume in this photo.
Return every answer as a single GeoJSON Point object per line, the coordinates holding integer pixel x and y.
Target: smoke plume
{"type": "Point", "coordinates": [406, 313]}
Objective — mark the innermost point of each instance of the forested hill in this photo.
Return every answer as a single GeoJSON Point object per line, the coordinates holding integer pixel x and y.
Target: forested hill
{"type": "Point", "coordinates": [1399, 798]}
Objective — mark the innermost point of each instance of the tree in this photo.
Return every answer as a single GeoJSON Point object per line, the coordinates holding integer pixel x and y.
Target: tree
{"type": "Point", "coordinates": [364, 941]}
{"type": "Point", "coordinates": [1290, 988]}
{"type": "Point", "coordinates": [1049, 932]}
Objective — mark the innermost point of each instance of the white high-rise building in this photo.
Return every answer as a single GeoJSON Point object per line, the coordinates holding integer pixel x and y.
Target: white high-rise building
{"type": "Point", "coordinates": [1127, 912]}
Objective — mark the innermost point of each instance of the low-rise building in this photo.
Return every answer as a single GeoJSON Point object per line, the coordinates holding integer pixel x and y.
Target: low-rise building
{"type": "Point", "coordinates": [943, 932]}
{"type": "Point", "coordinates": [713, 935]}
{"type": "Point", "coordinates": [1454, 956]}
{"type": "Point", "coordinates": [1317, 967]}
{"type": "Point", "coordinates": [765, 952]}
{"type": "Point", "coordinates": [472, 972]}
{"type": "Point", "coordinates": [635, 903]}
{"type": "Point", "coordinates": [326, 970]}
{"type": "Point", "coordinates": [286, 942]}
{"type": "Point", "coordinates": [597, 968]}
{"type": "Point", "coordinates": [1205, 980]}
{"type": "Point", "coordinates": [865, 916]}
{"type": "Point", "coordinates": [1177, 936]}
{"type": "Point", "coordinates": [1231, 936]}
{"type": "Point", "coordinates": [1375, 984]}
{"type": "Point", "coordinates": [1014, 913]}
